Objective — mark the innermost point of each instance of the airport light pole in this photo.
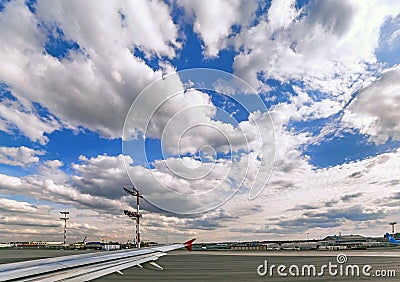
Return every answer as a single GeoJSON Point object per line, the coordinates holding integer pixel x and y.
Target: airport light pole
{"type": "Point", "coordinates": [65, 218]}
{"type": "Point", "coordinates": [393, 224]}
{"type": "Point", "coordinates": [135, 215]}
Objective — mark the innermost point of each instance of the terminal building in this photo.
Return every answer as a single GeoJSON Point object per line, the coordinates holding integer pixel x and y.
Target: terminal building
{"type": "Point", "coordinates": [334, 242]}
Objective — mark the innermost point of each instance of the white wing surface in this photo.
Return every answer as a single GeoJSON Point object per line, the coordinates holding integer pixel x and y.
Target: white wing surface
{"type": "Point", "coordinates": [84, 267]}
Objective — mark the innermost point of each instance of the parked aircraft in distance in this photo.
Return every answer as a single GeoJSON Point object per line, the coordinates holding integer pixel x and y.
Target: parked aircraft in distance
{"type": "Point", "coordinates": [391, 239]}
{"type": "Point", "coordinates": [5, 245]}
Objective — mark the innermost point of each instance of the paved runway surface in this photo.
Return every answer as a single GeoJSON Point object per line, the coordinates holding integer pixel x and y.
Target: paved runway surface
{"type": "Point", "coordinates": [238, 266]}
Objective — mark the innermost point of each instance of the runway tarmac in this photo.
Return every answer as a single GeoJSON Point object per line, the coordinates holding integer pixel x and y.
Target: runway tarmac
{"type": "Point", "coordinates": [242, 266]}
{"type": "Point", "coordinates": [237, 266]}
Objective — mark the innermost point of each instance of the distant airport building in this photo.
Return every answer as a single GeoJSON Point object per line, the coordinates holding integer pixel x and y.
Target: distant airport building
{"type": "Point", "coordinates": [350, 242]}
{"type": "Point", "coordinates": [110, 246]}
{"type": "Point", "coordinates": [37, 245]}
{"type": "Point", "coordinates": [334, 242]}
{"type": "Point", "coordinates": [255, 246]}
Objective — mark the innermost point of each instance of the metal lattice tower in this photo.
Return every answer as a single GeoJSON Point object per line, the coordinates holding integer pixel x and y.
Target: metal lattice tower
{"type": "Point", "coordinates": [135, 215]}
{"type": "Point", "coordinates": [65, 218]}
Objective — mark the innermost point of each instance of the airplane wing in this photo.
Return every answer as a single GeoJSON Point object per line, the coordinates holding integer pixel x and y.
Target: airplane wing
{"type": "Point", "coordinates": [84, 267]}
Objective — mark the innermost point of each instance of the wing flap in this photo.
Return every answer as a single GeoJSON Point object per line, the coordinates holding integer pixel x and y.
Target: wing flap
{"type": "Point", "coordinates": [42, 266]}
{"type": "Point", "coordinates": [91, 272]}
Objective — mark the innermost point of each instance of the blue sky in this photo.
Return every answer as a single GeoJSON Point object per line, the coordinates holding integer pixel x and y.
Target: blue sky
{"type": "Point", "coordinates": [327, 83]}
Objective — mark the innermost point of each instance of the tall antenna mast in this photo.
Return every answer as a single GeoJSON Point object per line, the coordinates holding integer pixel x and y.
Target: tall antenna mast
{"type": "Point", "coordinates": [393, 224]}
{"type": "Point", "coordinates": [135, 215]}
{"type": "Point", "coordinates": [65, 218]}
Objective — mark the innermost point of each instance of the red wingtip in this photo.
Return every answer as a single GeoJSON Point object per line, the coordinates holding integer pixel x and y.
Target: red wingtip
{"type": "Point", "coordinates": [188, 244]}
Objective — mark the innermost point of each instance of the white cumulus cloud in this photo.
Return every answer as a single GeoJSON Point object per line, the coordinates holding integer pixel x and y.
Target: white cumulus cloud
{"type": "Point", "coordinates": [376, 109]}
{"type": "Point", "coordinates": [19, 156]}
